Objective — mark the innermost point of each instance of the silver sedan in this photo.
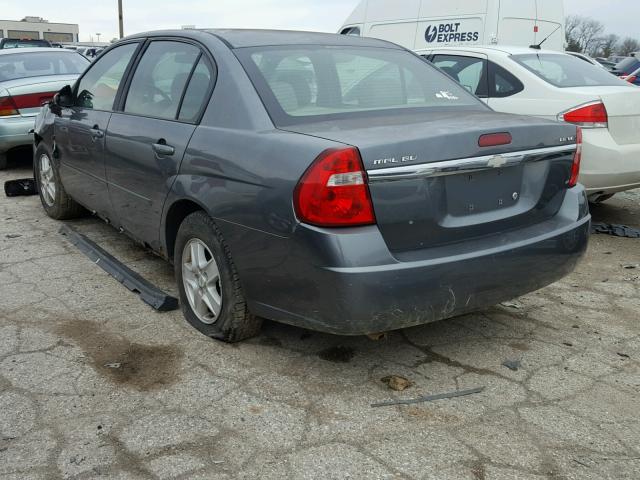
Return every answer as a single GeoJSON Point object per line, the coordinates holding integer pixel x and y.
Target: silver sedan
{"type": "Point", "coordinates": [28, 78]}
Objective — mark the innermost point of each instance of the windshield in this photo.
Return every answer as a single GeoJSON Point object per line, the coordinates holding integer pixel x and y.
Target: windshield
{"type": "Point", "coordinates": [36, 64]}
{"type": "Point", "coordinates": [565, 71]}
{"type": "Point", "coordinates": [318, 83]}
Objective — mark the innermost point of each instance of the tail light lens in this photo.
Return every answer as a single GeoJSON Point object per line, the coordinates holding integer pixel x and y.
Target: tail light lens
{"type": "Point", "coordinates": [630, 78]}
{"type": "Point", "coordinates": [11, 105]}
{"type": "Point", "coordinates": [577, 158]}
{"type": "Point", "coordinates": [8, 107]}
{"type": "Point", "coordinates": [32, 100]}
{"type": "Point", "coordinates": [333, 192]}
{"type": "Point", "coordinates": [591, 115]}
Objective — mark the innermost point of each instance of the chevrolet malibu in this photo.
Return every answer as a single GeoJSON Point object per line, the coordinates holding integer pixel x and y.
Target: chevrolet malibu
{"type": "Point", "coordinates": [28, 78]}
{"type": "Point", "coordinates": [335, 183]}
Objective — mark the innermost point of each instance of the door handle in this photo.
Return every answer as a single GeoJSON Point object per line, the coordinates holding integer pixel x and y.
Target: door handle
{"type": "Point", "coordinates": [161, 148]}
{"type": "Point", "coordinates": [96, 132]}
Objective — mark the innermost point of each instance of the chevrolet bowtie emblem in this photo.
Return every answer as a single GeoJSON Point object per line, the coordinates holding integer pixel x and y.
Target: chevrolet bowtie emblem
{"type": "Point", "coordinates": [497, 161]}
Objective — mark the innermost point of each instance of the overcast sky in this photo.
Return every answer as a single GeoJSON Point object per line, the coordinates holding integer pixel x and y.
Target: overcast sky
{"type": "Point", "coordinates": [620, 16]}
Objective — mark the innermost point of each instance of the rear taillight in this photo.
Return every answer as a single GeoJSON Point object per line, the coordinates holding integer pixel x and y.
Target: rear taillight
{"type": "Point", "coordinates": [630, 78]}
{"type": "Point", "coordinates": [333, 192]}
{"type": "Point", "coordinates": [32, 100]}
{"type": "Point", "coordinates": [591, 115]}
{"type": "Point", "coordinates": [11, 105]}
{"type": "Point", "coordinates": [577, 158]}
{"type": "Point", "coordinates": [8, 107]}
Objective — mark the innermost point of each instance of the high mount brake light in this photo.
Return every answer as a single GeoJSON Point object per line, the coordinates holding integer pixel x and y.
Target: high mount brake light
{"type": "Point", "coordinates": [577, 158]}
{"type": "Point", "coordinates": [495, 139]}
{"type": "Point", "coordinates": [333, 192]}
{"type": "Point", "coordinates": [591, 115]}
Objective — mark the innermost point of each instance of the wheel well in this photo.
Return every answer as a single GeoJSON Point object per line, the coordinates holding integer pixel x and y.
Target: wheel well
{"type": "Point", "coordinates": [175, 216]}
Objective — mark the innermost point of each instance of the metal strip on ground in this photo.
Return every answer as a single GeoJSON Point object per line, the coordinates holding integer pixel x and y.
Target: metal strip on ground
{"type": "Point", "coordinates": [149, 293]}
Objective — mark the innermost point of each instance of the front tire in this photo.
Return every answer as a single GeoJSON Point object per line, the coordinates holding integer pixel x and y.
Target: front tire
{"type": "Point", "coordinates": [55, 200]}
{"type": "Point", "coordinates": [3, 161]}
{"type": "Point", "coordinates": [211, 296]}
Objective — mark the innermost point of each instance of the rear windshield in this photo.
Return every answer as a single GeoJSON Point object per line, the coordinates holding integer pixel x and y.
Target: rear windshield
{"type": "Point", "coordinates": [25, 43]}
{"type": "Point", "coordinates": [36, 64]}
{"type": "Point", "coordinates": [565, 71]}
{"type": "Point", "coordinates": [318, 83]}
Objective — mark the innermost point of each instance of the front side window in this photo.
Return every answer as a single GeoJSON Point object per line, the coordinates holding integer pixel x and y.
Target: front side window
{"type": "Point", "coordinates": [160, 79]}
{"type": "Point", "coordinates": [351, 31]}
{"type": "Point", "coordinates": [470, 72]}
{"type": "Point", "coordinates": [35, 64]}
{"type": "Point", "coordinates": [97, 89]}
{"type": "Point", "coordinates": [317, 83]}
{"type": "Point", "coordinates": [565, 71]}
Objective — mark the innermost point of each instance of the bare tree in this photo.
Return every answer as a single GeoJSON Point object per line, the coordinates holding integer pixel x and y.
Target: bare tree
{"type": "Point", "coordinates": [584, 34]}
{"type": "Point", "coordinates": [629, 46]}
{"type": "Point", "coordinates": [609, 45]}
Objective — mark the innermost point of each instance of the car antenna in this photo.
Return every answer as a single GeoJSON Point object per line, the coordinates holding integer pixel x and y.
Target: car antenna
{"type": "Point", "coordinates": [539, 45]}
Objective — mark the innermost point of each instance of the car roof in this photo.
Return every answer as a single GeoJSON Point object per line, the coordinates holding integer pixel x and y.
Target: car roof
{"type": "Point", "coordinates": [506, 49]}
{"type": "Point", "coordinates": [7, 51]}
{"type": "Point", "coordinates": [241, 38]}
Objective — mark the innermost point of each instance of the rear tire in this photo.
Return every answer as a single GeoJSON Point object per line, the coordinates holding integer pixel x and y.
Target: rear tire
{"type": "Point", "coordinates": [211, 296]}
{"type": "Point", "coordinates": [55, 200]}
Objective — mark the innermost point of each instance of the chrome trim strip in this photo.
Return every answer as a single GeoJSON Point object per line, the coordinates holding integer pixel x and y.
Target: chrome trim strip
{"type": "Point", "coordinates": [467, 165]}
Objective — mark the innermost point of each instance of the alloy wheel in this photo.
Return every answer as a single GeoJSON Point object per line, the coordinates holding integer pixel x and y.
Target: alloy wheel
{"type": "Point", "coordinates": [201, 281]}
{"type": "Point", "coordinates": [47, 180]}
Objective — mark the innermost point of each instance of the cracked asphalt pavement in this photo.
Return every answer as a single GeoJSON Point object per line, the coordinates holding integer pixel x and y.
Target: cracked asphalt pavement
{"type": "Point", "coordinates": [95, 384]}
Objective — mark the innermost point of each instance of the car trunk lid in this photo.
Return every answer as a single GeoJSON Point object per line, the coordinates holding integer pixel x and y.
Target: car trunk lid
{"type": "Point", "coordinates": [432, 184]}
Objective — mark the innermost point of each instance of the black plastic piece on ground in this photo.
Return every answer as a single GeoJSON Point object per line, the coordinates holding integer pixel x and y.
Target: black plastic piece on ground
{"type": "Point", "coordinates": [615, 230]}
{"type": "Point", "coordinates": [22, 187]}
{"type": "Point", "coordinates": [430, 398]}
{"type": "Point", "coordinates": [149, 293]}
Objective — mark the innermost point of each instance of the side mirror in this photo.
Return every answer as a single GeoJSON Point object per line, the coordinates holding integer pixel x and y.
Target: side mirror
{"type": "Point", "coordinates": [64, 98]}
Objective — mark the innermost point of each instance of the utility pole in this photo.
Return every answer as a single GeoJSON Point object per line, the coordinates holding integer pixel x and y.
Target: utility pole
{"type": "Point", "coordinates": [98, 35]}
{"type": "Point", "coordinates": [120, 22]}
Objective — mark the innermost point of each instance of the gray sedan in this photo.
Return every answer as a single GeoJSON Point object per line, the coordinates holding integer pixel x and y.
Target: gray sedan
{"type": "Point", "coordinates": [28, 78]}
{"type": "Point", "coordinates": [330, 182]}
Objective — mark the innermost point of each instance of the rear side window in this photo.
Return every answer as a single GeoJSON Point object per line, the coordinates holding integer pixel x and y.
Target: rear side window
{"type": "Point", "coordinates": [470, 72]}
{"type": "Point", "coordinates": [195, 96]}
{"type": "Point", "coordinates": [565, 71]}
{"type": "Point", "coordinates": [98, 88]}
{"type": "Point", "coordinates": [160, 79]}
{"type": "Point", "coordinates": [502, 83]}
{"type": "Point", "coordinates": [317, 83]}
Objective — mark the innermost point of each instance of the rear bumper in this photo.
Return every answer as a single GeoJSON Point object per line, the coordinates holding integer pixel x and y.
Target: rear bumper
{"type": "Point", "coordinates": [14, 132]}
{"type": "Point", "coordinates": [608, 167]}
{"type": "Point", "coordinates": [349, 283]}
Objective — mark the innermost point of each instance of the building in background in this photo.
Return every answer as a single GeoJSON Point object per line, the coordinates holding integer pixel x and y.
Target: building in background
{"type": "Point", "coordinates": [39, 28]}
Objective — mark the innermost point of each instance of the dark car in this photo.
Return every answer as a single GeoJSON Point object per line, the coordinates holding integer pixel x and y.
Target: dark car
{"type": "Point", "coordinates": [23, 43]}
{"type": "Point", "coordinates": [326, 181]}
{"type": "Point", "coordinates": [633, 77]}
{"type": "Point", "coordinates": [626, 67]}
